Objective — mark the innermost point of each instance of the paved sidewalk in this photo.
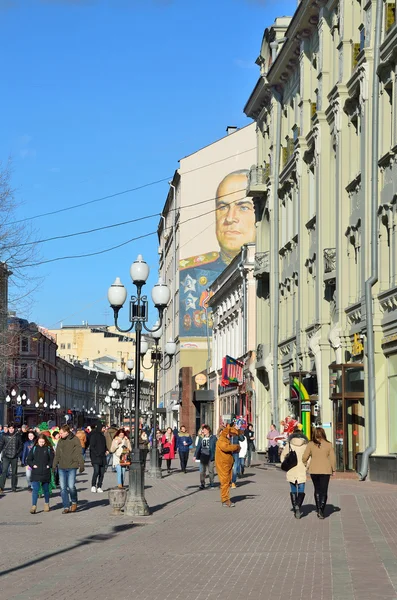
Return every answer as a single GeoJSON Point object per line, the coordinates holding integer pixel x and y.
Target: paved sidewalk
{"type": "Point", "coordinates": [191, 548]}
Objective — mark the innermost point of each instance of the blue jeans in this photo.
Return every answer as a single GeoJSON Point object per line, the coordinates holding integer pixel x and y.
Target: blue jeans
{"type": "Point", "coordinates": [35, 492]}
{"type": "Point", "coordinates": [120, 474]}
{"type": "Point", "coordinates": [67, 481]}
{"type": "Point", "coordinates": [301, 488]}
{"type": "Point", "coordinates": [236, 467]}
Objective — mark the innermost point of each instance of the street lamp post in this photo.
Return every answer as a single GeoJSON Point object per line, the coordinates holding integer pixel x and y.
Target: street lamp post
{"type": "Point", "coordinates": [156, 358]}
{"type": "Point", "coordinates": [55, 406]}
{"type": "Point", "coordinates": [17, 400]}
{"type": "Point", "coordinates": [136, 504]}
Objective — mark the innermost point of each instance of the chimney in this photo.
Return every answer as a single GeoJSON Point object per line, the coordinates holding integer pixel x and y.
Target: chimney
{"type": "Point", "coordinates": [231, 129]}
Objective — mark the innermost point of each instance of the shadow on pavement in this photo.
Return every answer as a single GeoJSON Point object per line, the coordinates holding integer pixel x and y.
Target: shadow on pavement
{"type": "Point", "coordinates": [158, 507]}
{"type": "Point", "coordinates": [91, 539]}
{"type": "Point", "coordinates": [306, 509]}
{"type": "Point", "coordinates": [242, 497]}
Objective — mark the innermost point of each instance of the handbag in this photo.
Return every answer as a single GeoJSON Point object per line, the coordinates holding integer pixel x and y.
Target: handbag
{"type": "Point", "coordinates": [125, 458]}
{"type": "Point", "coordinates": [290, 461]}
{"type": "Point", "coordinates": [165, 451]}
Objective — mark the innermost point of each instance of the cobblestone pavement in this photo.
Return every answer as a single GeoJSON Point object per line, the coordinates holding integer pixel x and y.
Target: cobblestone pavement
{"type": "Point", "coordinates": [192, 548]}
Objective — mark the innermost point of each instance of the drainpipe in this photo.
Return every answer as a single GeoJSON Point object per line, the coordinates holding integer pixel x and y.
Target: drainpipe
{"type": "Point", "coordinates": [371, 281]}
{"type": "Point", "coordinates": [275, 258]}
{"type": "Point", "coordinates": [244, 311]}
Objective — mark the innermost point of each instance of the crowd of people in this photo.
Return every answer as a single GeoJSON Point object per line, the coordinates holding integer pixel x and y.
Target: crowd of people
{"type": "Point", "coordinates": [52, 456]}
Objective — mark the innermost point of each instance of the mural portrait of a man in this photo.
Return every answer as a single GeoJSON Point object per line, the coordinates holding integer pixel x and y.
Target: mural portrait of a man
{"type": "Point", "coordinates": [234, 227]}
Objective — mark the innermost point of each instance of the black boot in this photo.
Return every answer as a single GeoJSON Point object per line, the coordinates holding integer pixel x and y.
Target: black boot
{"type": "Point", "coordinates": [323, 502]}
{"type": "Point", "coordinates": [318, 504]}
{"type": "Point", "coordinates": [295, 506]}
{"type": "Point", "coordinates": [301, 497]}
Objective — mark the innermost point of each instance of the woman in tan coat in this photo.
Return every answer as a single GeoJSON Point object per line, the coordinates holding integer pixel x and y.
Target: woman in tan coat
{"type": "Point", "coordinates": [322, 466]}
{"type": "Point", "coordinates": [297, 475]}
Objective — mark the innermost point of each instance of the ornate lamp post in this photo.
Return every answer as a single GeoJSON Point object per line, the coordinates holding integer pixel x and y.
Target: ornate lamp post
{"type": "Point", "coordinates": [17, 401]}
{"type": "Point", "coordinates": [136, 502]}
{"type": "Point", "coordinates": [41, 407]}
{"type": "Point", "coordinates": [156, 358]}
{"type": "Point", "coordinates": [54, 407]}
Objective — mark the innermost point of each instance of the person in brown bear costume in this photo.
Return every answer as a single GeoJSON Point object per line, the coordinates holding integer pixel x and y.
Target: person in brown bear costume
{"type": "Point", "coordinates": [224, 462]}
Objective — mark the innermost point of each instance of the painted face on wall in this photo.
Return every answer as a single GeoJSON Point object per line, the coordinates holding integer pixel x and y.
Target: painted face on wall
{"type": "Point", "coordinates": [235, 217]}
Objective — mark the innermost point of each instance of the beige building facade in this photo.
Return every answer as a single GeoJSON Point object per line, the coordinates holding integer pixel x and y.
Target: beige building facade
{"type": "Point", "coordinates": [324, 187]}
{"type": "Point", "coordinates": [206, 219]}
{"type": "Point", "coordinates": [99, 343]}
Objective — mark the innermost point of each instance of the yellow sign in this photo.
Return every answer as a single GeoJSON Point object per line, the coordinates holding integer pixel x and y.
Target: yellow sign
{"type": "Point", "coordinates": [357, 346]}
{"type": "Point", "coordinates": [200, 379]}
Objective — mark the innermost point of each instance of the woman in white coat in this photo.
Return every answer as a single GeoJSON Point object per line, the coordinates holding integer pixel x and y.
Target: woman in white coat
{"type": "Point", "coordinates": [297, 475]}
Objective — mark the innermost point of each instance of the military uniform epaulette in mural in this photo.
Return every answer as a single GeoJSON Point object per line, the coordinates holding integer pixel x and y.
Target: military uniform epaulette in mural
{"type": "Point", "coordinates": [201, 260]}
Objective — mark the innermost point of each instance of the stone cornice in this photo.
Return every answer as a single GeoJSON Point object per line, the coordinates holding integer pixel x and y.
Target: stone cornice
{"type": "Point", "coordinates": [260, 97]}
{"type": "Point", "coordinates": [303, 24]}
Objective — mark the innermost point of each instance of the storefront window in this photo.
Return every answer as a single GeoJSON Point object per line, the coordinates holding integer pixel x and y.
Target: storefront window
{"type": "Point", "coordinates": [354, 380]}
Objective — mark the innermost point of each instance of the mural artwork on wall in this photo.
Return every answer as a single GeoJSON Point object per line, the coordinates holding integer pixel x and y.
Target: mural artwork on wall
{"type": "Point", "coordinates": [234, 222]}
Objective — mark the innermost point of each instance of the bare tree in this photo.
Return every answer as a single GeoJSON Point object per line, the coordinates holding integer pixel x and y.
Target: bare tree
{"type": "Point", "coordinates": [17, 250]}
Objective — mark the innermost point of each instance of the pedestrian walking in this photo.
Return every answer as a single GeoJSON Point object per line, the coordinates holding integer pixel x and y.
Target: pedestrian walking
{"type": "Point", "coordinates": [82, 436]}
{"type": "Point", "coordinates": [205, 453]}
{"type": "Point", "coordinates": [10, 449]}
{"type": "Point", "coordinates": [250, 435]}
{"type": "Point", "coordinates": [272, 444]}
{"type": "Point", "coordinates": [242, 455]}
{"type": "Point", "coordinates": [120, 445]}
{"type": "Point", "coordinates": [143, 446]}
{"type": "Point", "coordinates": [224, 463]}
{"type": "Point", "coordinates": [109, 435]}
{"type": "Point", "coordinates": [68, 458]}
{"type": "Point", "coordinates": [183, 443]}
{"type": "Point", "coordinates": [168, 447]}
{"type": "Point", "coordinates": [296, 476]}
{"type": "Point", "coordinates": [98, 453]}
{"type": "Point", "coordinates": [28, 445]}
{"type": "Point", "coordinates": [237, 437]}
{"type": "Point", "coordinates": [40, 460]}
{"type": "Point", "coordinates": [322, 466]}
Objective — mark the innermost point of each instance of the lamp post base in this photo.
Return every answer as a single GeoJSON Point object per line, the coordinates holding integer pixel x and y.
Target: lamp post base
{"type": "Point", "coordinates": [154, 469]}
{"type": "Point", "coordinates": [136, 505]}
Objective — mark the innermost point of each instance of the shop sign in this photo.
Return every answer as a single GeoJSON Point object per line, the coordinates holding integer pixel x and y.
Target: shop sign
{"type": "Point", "coordinates": [357, 346]}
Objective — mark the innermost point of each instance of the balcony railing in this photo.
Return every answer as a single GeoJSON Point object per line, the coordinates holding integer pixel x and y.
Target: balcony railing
{"type": "Point", "coordinates": [262, 264]}
{"type": "Point", "coordinates": [256, 185]}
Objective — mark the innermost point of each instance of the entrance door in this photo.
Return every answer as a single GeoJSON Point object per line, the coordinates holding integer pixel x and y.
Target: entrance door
{"type": "Point", "coordinates": [354, 431]}
{"type": "Point", "coordinates": [347, 394]}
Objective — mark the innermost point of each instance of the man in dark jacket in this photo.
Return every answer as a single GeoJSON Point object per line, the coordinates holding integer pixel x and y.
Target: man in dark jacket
{"type": "Point", "coordinates": [183, 442]}
{"type": "Point", "coordinates": [205, 453]}
{"type": "Point", "coordinates": [10, 449]}
{"type": "Point", "coordinates": [98, 452]}
{"type": "Point", "coordinates": [69, 458]}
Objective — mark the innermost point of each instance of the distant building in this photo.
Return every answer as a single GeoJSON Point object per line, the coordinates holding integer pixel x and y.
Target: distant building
{"type": "Point", "coordinates": [102, 344]}
{"type": "Point", "coordinates": [31, 372]}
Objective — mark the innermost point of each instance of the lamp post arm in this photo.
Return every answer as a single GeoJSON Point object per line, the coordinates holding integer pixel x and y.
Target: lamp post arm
{"type": "Point", "coordinates": [167, 365]}
{"type": "Point", "coordinates": [160, 321]}
{"type": "Point", "coordinates": [145, 367]}
{"type": "Point", "coordinates": [122, 330]}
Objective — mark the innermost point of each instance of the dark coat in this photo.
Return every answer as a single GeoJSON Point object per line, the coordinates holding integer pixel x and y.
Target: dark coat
{"type": "Point", "coordinates": [98, 448]}
{"type": "Point", "coordinates": [40, 460]}
{"type": "Point", "coordinates": [11, 445]}
{"type": "Point", "coordinates": [213, 442]}
{"type": "Point", "coordinates": [68, 454]}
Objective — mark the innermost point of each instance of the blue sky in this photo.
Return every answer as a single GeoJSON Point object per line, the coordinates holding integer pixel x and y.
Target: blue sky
{"type": "Point", "coordinates": [102, 96]}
